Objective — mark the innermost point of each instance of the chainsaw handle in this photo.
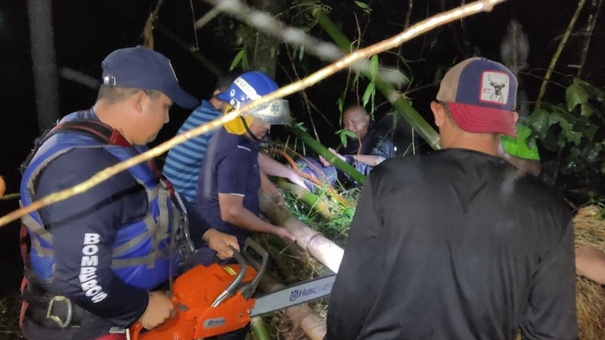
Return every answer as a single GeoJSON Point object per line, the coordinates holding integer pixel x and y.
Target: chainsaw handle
{"type": "Point", "coordinates": [244, 258]}
{"type": "Point", "coordinates": [261, 267]}
{"type": "Point", "coordinates": [230, 290]}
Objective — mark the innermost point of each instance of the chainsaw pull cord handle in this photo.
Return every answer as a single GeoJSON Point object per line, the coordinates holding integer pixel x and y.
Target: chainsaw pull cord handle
{"type": "Point", "coordinates": [230, 290]}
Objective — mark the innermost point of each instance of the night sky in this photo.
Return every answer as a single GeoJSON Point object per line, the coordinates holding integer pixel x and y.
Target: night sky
{"type": "Point", "coordinates": [86, 31]}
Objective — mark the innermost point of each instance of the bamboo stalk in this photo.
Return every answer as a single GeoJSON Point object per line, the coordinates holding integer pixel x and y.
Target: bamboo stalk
{"type": "Point", "coordinates": [266, 23]}
{"type": "Point", "coordinates": [589, 33]}
{"type": "Point", "coordinates": [258, 328]}
{"type": "Point", "coordinates": [316, 203]}
{"type": "Point", "coordinates": [327, 154]}
{"type": "Point", "coordinates": [557, 54]}
{"type": "Point", "coordinates": [401, 104]}
{"type": "Point", "coordinates": [348, 61]}
{"type": "Point", "coordinates": [317, 245]}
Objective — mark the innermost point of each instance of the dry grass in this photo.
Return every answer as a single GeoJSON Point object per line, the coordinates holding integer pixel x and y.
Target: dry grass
{"type": "Point", "coordinates": [10, 305]}
{"type": "Point", "coordinates": [590, 296]}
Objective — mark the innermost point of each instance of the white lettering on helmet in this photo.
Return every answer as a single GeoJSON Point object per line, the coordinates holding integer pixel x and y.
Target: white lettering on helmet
{"type": "Point", "coordinates": [246, 88]}
{"type": "Point", "coordinates": [88, 268]}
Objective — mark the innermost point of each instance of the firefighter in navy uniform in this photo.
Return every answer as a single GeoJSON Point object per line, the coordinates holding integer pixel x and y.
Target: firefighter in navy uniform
{"type": "Point", "coordinates": [96, 258]}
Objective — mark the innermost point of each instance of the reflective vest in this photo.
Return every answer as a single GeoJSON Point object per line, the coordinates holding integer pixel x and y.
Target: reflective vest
{"type": "Point", "coordinates": [141, 252]}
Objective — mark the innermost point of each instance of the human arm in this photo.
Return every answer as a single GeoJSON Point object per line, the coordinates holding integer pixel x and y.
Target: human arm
{"type": "Point", "coordinates": [590, 263]}
{"type": "Point", "coordinates": [200, 231]}
{"type": "Point", "coordinates": [551, 310]}
{"type": "Point", "coordinates": [384, 149]}
{"type": "Point", "coordinates": [364, 163]}
{"type": "Point", "coordinates": [233, 211]}
{"type": "Point", "coordinates": [270, 189]}
{"type": "Point", "coordinates": [272, 167]}
{"type": "Point", "coordinates": [371, 160]}
{"type": "Point", "coordinates": [237, 183]}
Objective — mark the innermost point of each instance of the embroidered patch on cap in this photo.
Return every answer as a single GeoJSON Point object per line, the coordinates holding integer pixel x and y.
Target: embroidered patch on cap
{"type": "Point", "coordinates": [494, 87]}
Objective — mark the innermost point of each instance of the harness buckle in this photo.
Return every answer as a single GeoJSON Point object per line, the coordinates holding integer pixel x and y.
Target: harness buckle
{"type": "Point", "coordinates": [55, 318]}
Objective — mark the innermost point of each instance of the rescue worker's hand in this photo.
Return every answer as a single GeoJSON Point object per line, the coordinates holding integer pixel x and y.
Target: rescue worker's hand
{"type": "Point", "coordinates": [279, 199]}
{"type": "Point", "coordinates": [221, 243]}
{"type": "Point", "coordinates": [284, 234]}
{"type": "Point", "coordinates": [159, 308]}
{"type": "Point", "coordinates": [296, 179]}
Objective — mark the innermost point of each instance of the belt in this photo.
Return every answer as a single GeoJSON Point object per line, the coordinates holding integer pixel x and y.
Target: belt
{"type": "Point", "coordinates": [49, 310]}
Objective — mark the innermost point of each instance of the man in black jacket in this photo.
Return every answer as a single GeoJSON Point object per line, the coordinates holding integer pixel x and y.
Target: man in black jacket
{"type": "Point", "coordinates": [458, 244]}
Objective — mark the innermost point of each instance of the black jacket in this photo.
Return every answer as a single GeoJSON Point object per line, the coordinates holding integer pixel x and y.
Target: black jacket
{"type": "Point", "coordinates": [455, 245]}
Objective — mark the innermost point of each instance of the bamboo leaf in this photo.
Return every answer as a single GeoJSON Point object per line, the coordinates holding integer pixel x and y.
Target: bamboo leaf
{"type": "Point", "coordinates": [343, 140]}
{"type": "Point", "coordinates": [365, 7]}
{"type": "Point", "coordinates": [370, 90]}
{"type": "Point", "coordinates": [340, 104]}
{"type": "Point", "coordinates": [238, 58]}
{"type": "Point", "coordinates": [373, 67]}
{"type": "Point", "coordinates": [301, 126]}
{"type": "Point", "coordinates": [343, 134]}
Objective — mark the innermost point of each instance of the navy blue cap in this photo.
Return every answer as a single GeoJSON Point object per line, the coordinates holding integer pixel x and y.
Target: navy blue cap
{"type": "Point", "coordinates": [142, 68]}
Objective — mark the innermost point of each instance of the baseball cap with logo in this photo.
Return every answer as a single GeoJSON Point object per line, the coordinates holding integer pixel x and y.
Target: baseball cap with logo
{"type": "Point", "coordinates": [481, 95]}
{"type": "Point", "coordinates": [142, 68]}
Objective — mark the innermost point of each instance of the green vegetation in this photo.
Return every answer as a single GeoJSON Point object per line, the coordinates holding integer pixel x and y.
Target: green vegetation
{"type": "Point", "coordinates": [573, 133]}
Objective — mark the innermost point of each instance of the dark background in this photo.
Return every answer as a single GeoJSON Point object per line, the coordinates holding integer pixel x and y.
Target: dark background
{"type": "Point", "coordinates": [86, 31]}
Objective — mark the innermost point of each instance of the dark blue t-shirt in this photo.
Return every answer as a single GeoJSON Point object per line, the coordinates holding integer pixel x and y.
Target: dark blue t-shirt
{"type": "Point", "coordinates": [230, 167]}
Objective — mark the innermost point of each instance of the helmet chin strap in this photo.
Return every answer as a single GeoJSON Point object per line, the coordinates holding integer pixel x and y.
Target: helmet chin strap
{"type": "Point", "coordinates": [253, 136]}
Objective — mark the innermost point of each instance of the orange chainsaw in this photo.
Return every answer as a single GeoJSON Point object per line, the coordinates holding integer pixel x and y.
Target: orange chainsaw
{"type": "Point", "coordinates": [218, 299]}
